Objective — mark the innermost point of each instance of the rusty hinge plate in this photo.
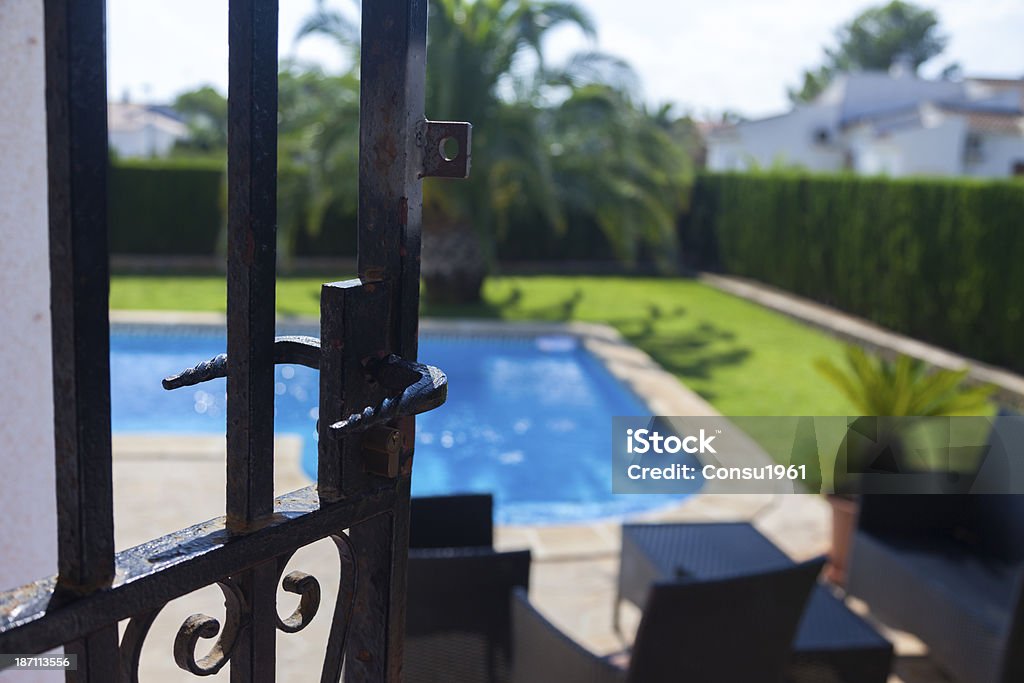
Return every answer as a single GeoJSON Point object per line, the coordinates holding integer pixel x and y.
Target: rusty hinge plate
{"type": "Point", "coordinates": [446, 148]}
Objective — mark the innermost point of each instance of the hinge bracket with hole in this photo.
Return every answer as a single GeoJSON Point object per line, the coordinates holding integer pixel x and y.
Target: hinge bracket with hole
{"type": "Point", "coordinates": [440, 160]}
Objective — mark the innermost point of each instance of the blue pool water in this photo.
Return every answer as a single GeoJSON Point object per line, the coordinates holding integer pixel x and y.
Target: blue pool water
{"type": "Point", "coordinates": [527, 418]}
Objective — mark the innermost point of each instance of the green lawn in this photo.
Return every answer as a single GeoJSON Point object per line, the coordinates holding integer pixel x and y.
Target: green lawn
{"type": "Point", "coordinates": [742, 358]}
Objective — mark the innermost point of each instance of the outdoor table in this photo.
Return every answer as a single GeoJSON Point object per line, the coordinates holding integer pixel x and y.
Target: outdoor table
{"type": "Point", "coordinates": [832, 643]}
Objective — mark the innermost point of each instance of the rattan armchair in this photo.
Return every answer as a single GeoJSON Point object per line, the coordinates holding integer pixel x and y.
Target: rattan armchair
{"type": "Point", "coordinates": [718, 631]}
{"type": "Point", "coordinates": [456, 521]}
{"type": "Point", "coordinates": [458, 626]}
{"type": "Point", "coordinates": [950, 570]}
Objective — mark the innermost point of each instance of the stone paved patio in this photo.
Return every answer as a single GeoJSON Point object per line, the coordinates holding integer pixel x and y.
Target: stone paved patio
{"type": "Point", "coordinates": [163, 483]}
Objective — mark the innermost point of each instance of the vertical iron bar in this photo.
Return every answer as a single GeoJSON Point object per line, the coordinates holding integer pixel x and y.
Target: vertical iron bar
{"type": "Point", "coordinates": [79, 290]}
{"type": "Point", "coordinates": [98, 657]}
{"type": "Point", "coordinates": [255, 655]}
{"type": "Point", "coordinates": [76, 105]}
{"type": "Point", "coordinates": [252, 253]}
{"type": "Point", "coordinates": [252, 235]}
{"type": "Point", "coordinates": [392, 75]}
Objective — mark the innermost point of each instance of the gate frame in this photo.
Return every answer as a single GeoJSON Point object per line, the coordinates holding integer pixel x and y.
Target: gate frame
{"type": "Point", "coordinates": [361, 500]}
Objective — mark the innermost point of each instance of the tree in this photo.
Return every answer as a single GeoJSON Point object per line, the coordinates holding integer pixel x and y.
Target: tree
{"type": "Point", "coordinates": [318, 150]}
{"type": "Point", "coordinates": [486, 65]}
{"type": "Point", "coordinates": [622, 167]}
{"type": "Point", "coordinates": [318, 139]}
{"type": "Point", "coordinates": [874, 40]}
{"type": "Point", "coordinates": [205, 111]}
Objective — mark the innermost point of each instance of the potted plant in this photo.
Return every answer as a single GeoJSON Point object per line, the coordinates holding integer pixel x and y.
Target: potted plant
{"type": "Point", "coordinates": [878, 387]}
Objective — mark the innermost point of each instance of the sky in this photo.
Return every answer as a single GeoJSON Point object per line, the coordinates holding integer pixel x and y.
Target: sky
{"type": "Point", "coordinates": [704, 56]}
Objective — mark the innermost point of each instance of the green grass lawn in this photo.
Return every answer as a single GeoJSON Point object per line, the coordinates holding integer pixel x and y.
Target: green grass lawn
{"type": "Point", "coordinates": [742, 358]}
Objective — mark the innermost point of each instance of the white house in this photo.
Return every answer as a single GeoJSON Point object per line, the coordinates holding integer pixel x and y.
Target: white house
{"type": "Point", "coordinates": [143, 130]}
{"type": "Point", "coordinates": [889, 123]}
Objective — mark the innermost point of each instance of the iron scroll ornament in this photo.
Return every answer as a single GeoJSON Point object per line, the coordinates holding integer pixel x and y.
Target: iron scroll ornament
{"type": "Point", "coordinates": [237, 617]}
{"type": "Point", "coordinates": [412, 387]}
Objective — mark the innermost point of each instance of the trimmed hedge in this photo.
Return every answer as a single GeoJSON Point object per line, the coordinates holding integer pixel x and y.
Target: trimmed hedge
{"type": "Point", "coordinates": [166, 207]}
{"type": "Point", "coordinates": [939, 260]}
{"type": "Point", "coordinates": [176, 207]}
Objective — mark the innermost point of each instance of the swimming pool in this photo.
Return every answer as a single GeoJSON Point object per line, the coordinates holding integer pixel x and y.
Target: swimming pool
{"type": "Point", "coordinates": [527, 419]}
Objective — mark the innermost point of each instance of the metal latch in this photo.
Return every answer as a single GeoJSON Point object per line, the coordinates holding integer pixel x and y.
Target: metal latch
{"type": "Point", "coordinates": [412, 388]}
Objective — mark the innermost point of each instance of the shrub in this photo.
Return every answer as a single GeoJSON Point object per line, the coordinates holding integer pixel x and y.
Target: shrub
{"type": "Point", "coordinates": [166, 207]}
{"type": "Point", "coordinates": [935, 259]}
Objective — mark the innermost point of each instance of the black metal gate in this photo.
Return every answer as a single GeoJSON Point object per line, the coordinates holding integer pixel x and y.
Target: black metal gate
{"type": "Point", "coordinates": [370, 384]}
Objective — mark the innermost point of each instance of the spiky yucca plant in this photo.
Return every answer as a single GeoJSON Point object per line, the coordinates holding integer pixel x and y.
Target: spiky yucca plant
{"type": "Point", "coordinates": [903, 387]}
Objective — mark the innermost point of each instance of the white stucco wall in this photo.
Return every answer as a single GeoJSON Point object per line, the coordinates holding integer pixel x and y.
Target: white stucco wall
{"type": "Point", "coordinates": [933, 151]}
{"type": "Point", "coordinates": [875, 157]}
{"type": "Point", "coordinates": [148, 141]}
{"type": "Point", "coordinates": [998, 155]}
{"type": "Point", "coordinates": [937, 151]}
{"type": "Point", "coordinates": [788, 140]}
{"type": "Point", "coordinates": [28, 525]}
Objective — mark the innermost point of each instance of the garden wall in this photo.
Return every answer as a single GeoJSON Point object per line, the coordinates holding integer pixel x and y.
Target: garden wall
{"type": "Point", "coordinates": [940, 260]}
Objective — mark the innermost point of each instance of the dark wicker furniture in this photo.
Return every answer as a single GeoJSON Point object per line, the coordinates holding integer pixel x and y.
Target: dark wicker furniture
{"type": "Point", "coordinates": [458, 626]}
{"type": "Point", "coordinates": [722, 630]}
{"type": "Point", "coordinates": [832, 643]}
{"type": "Point", "coordinates": [949, 569]}
{"type": "Point", "coordinates": [457, 521]}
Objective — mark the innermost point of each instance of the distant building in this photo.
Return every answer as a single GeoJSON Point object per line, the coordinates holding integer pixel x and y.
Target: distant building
{"type": "Point", "coordinates": [143, 130]}
{"type": "Point", "coordinates": [887, 123]}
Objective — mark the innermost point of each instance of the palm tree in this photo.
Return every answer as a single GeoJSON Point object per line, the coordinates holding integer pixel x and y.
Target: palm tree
{"type": "Point", "coordinates": [475, 47]}
{"type": "Point", "coordinates": [487, 66]}
{"type": "Point", "coordinates": [318, 150]}
{"type": "Point", "coordinates": [621, 167]}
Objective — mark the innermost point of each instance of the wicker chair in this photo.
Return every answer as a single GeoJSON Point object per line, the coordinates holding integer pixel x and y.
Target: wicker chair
{"type": "Point", "coordinates": [832, 643]}
{"type": "Point", "coordinates": [458, 521]}
{"type": "Point", "coordinates": [949, 569]}
{"type": "Point", "coordinates": [458, 626]}
{"type": "Point", "coordinates": [720, 631]}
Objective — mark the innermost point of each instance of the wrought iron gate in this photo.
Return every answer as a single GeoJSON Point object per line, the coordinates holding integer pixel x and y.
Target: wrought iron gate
{"type": "Point", "coordinates": [370, 384]}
